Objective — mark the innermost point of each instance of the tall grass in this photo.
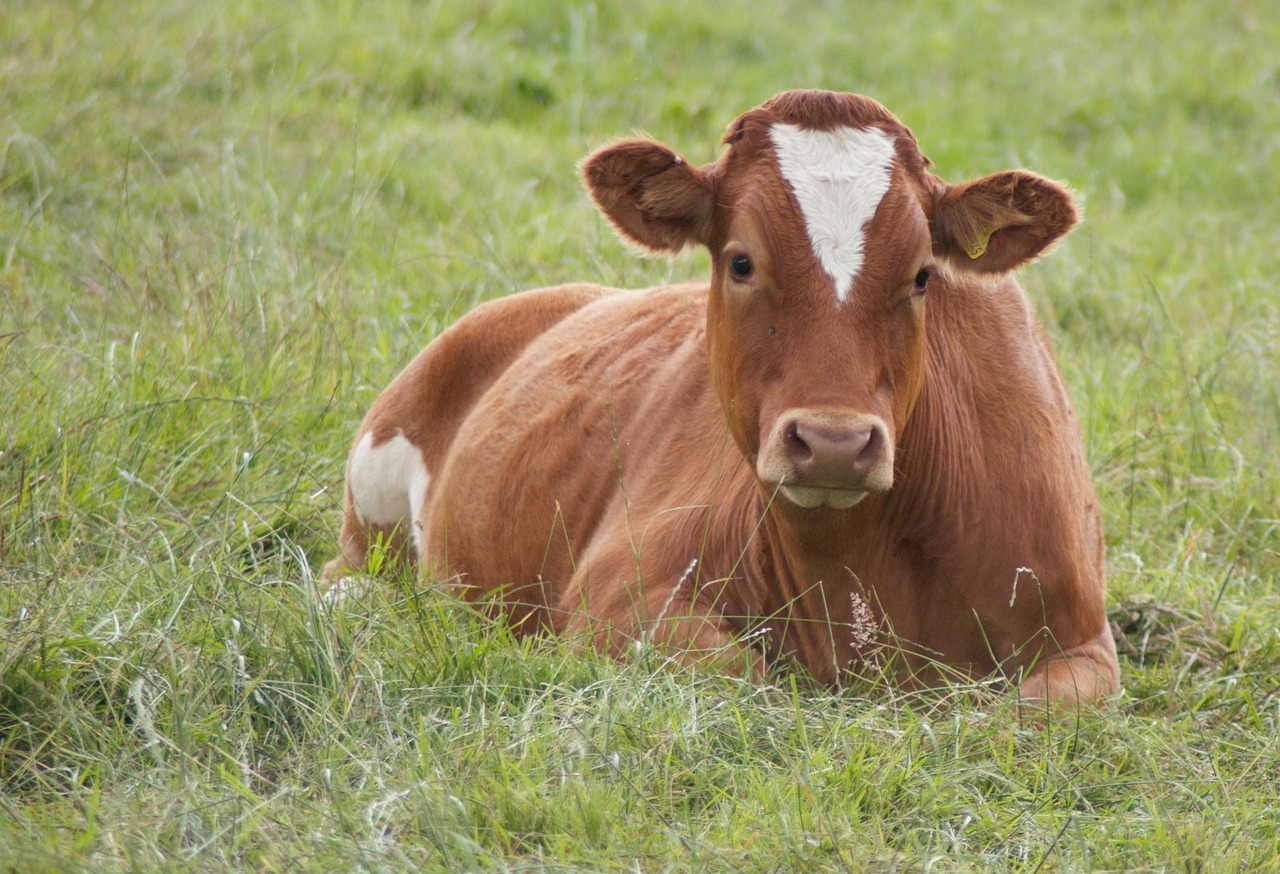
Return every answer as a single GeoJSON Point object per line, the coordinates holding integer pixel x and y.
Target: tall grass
{"type": "Point", "coordinates": [224, 227]}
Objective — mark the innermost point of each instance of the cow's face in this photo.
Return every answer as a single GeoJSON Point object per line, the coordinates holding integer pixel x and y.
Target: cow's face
{"type": "Point", "coordinates": [826, 233]}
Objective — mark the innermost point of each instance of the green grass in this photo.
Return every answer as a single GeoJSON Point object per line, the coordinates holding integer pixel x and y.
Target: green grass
{"type": "Point", "coordinates": [224, 227]}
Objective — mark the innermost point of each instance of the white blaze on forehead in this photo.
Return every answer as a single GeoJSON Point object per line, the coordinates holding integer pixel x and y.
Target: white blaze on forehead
{"type": "Point", "coordinates": [839, 178]}
{"type": "Point", "coordinates": [389, 484]}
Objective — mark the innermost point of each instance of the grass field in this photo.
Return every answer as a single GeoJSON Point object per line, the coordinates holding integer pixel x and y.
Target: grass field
{"type": "Point", "coordinates": [225, 226]}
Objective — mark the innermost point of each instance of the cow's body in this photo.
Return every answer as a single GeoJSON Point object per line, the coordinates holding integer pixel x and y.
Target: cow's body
{"type": "Point", "coordinates": [799, 463]}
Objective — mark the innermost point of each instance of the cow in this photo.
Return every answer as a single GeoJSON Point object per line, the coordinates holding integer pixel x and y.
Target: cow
{"type": "Point", "coordinates": [850, 447]}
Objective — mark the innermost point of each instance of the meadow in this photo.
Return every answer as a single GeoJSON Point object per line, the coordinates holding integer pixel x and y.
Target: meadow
{"type": "Point", "coordinates": [225, 226]}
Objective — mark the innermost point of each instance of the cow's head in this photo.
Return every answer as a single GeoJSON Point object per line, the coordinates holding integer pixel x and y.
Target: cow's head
{"type": "Point", "coordinates": [825, 229]}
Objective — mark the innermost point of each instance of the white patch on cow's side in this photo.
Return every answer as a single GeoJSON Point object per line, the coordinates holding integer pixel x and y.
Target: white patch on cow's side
{"type": "Point", "coordinates": [839, 178]}
{"type": "Point", "coordinates": [389, 484]}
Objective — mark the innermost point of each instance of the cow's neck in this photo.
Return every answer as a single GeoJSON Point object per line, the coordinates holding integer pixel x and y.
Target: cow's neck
{"type": "Point", "coordinates": [804, 560]}
{"type": "Point", "coordinates": [943, 478]}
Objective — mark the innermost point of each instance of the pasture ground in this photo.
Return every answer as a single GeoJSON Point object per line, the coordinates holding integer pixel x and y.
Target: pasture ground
{"type": "Point", "coordinates": [225, 226]}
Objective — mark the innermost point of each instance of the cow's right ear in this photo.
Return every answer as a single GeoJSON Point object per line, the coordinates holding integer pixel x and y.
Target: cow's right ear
{"type": "Point", "coordinates": [653, 196]}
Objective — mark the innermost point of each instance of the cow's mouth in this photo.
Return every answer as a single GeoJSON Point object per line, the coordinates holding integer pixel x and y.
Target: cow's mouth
{"type": "Point", "coordinates": [811, 497]}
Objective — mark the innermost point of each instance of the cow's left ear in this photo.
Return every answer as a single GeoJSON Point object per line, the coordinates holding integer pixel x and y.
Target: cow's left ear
{"type": "Point", "coordinates": [998, 222]}
{"type": "Point", "coordinates": [652, 195]}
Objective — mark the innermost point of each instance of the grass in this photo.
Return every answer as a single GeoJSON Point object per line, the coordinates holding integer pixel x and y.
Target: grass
{"type": "Point", "coordinates": [224, 227]}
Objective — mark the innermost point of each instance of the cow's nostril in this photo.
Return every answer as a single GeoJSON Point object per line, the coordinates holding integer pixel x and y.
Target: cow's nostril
{"type": "Point", "coordinates": [871, 452]}
{"type": "Point", "coordinates": [799, 450]}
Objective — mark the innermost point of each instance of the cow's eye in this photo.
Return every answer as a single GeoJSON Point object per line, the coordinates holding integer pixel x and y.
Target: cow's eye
{"type": "Point", "coordinates": [741, 266]}
{"type": "Point", "coordinates": [922, 281]}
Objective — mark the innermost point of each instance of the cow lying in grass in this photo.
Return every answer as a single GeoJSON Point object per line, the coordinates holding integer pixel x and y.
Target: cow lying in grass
{"type": "Point", "coordinates": [852, 439]}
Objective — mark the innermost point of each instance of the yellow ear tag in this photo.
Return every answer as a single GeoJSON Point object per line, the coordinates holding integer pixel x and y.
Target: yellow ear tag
{"type": "Point", "coordinates": [975, 249]}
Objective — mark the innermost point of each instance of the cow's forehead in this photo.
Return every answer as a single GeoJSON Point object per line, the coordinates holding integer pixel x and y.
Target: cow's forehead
{"type": "Point", "coordinates": [838, 177]}
{"type": "Point", "coordinates": [838, 157]}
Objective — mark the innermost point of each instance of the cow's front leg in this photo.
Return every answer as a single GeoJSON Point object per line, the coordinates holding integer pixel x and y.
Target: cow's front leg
{"type": "Point", "coordinates": [1088, 672]}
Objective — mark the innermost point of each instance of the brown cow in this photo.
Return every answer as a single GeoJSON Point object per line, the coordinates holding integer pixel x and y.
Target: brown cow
{"type": "Point", "coordinates": [805, 461]}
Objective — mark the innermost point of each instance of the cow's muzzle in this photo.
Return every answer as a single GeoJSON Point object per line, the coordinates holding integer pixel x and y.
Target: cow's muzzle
{"type": "Point", "coordinates": [817, 458]}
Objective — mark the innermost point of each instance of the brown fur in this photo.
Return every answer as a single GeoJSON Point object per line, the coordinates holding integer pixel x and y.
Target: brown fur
{"type": "Point", "coordinates": [429, 399]}
{"type": "Point", "coordinates": [595, 455]}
